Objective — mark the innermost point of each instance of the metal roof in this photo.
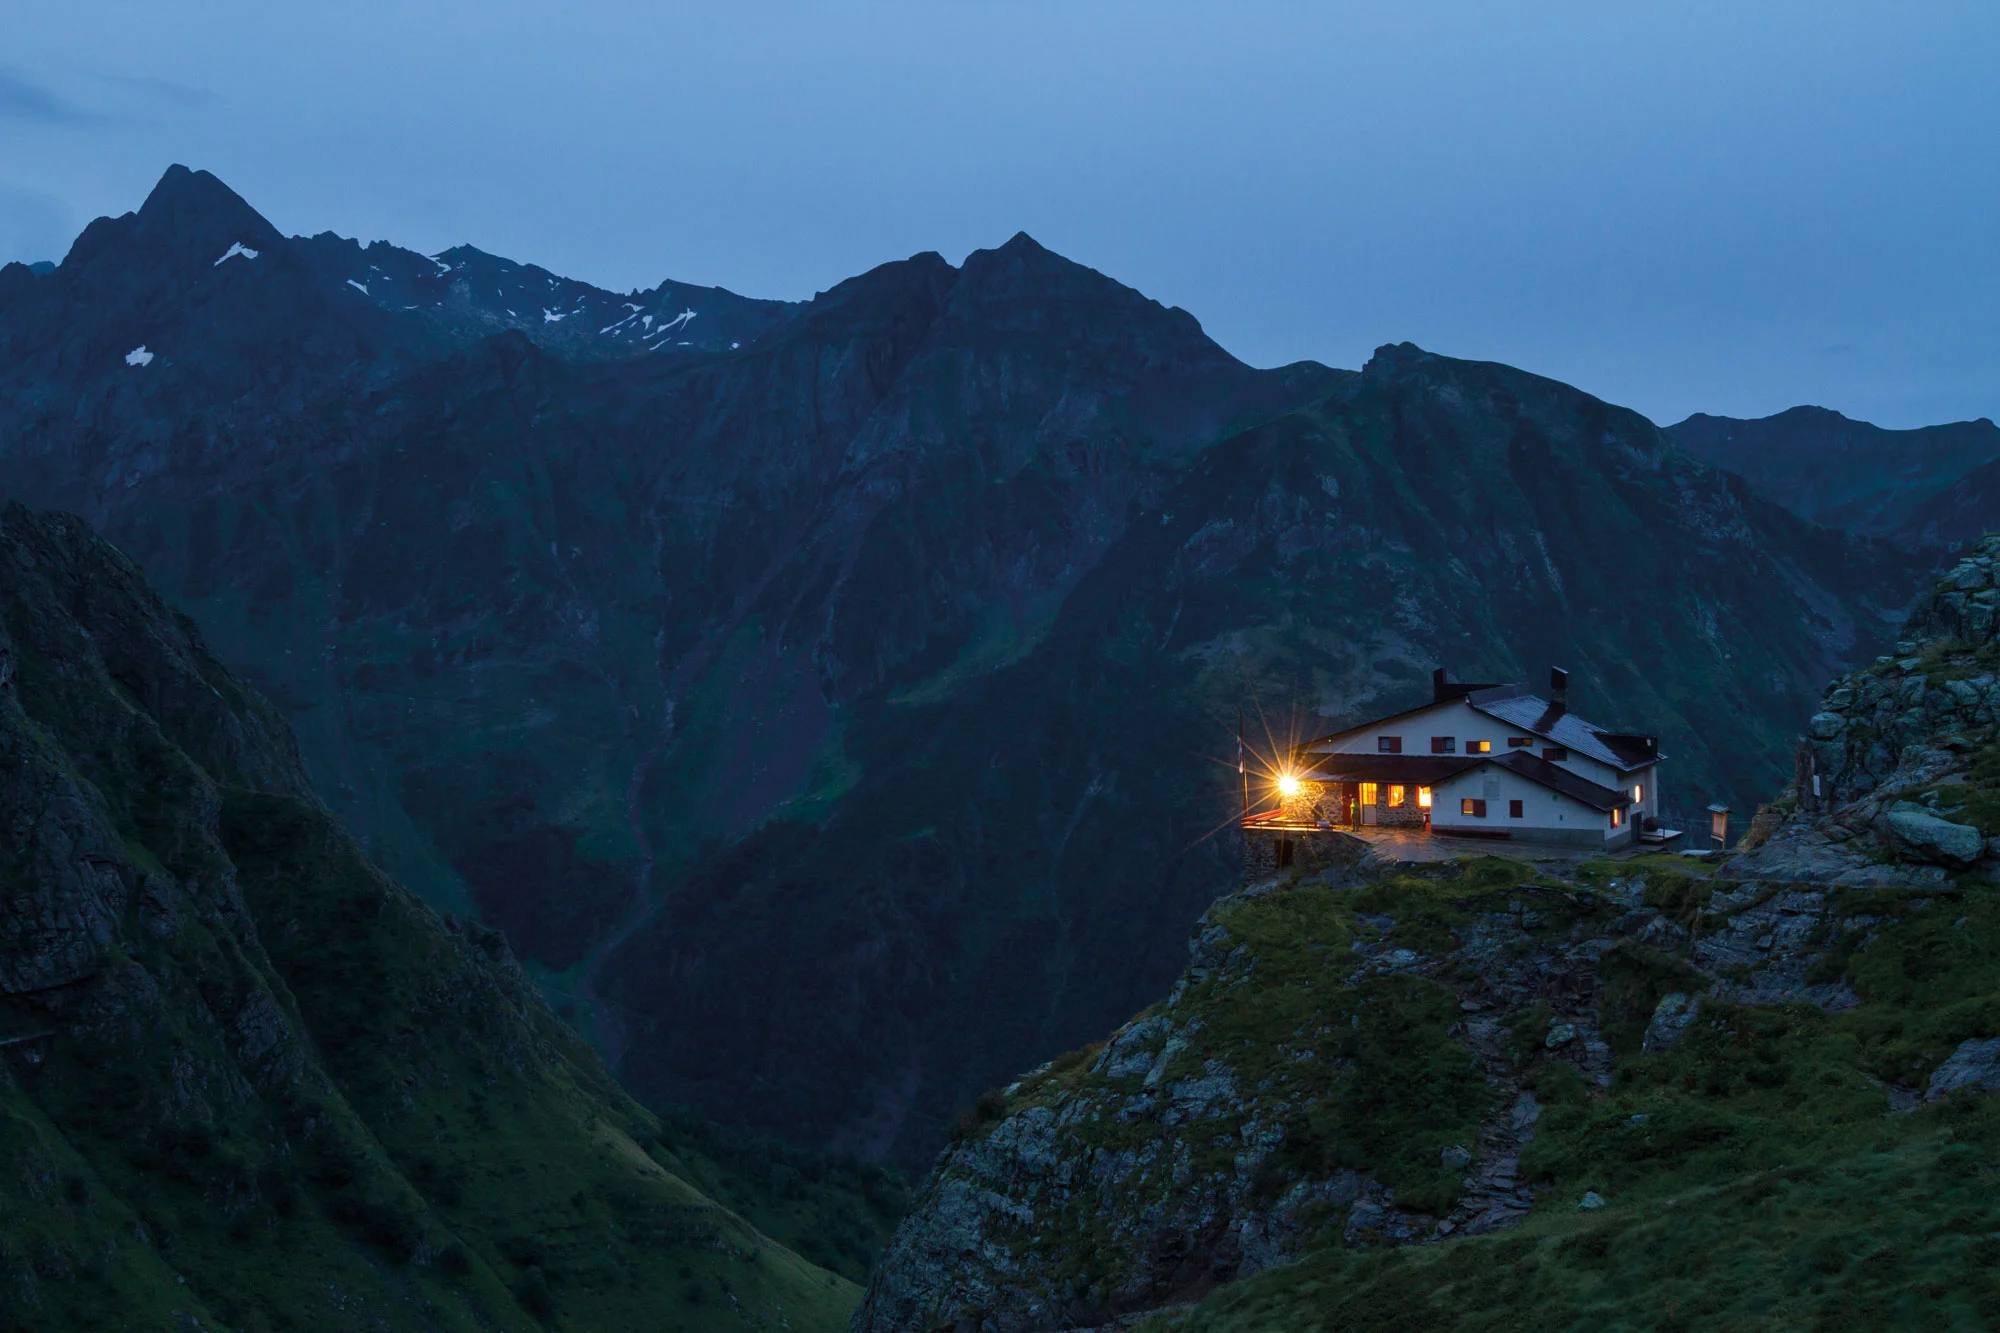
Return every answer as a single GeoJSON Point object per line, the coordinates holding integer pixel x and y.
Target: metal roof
{"type": "Point", "coordinates": [1529, 713]}
{"type": "Point", "coordinates": [1472, 696]}
{"type": "Point", "coordinates": [1560, 780]}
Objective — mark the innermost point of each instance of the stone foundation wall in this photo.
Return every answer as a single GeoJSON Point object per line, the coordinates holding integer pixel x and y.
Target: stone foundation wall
{"type": "Point", "coordinates": [1263, 853]}
{"type": "Point", "coordinates": [1326, 803]}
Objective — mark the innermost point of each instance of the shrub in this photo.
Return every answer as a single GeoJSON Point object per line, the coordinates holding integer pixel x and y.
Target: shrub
{"type": "Point", "coordinates": [532, 1291]}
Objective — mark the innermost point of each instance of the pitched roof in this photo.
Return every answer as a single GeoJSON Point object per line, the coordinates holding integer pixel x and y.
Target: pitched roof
{"type": "Point", "coordinates": [1561, 727]}
{"type": "Point", "coordinates": [1524, 710]}
{"type": "Point", "coordinates": [1560, 780]}
{"type": "Point", "coordinates": [1473, 696]}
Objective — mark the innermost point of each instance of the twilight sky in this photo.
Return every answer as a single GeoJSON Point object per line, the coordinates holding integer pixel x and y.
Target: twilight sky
{"type": "Point", "coordinates": [1721, 207]}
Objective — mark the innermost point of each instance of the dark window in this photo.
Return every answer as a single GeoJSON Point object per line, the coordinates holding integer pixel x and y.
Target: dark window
{"type": "Point", "coordinates": [1284, 852]}
{"type": "Point", "coordinates": [1389, 744]}
{"type": "Point", "coordinates": [1468, 806]}
{"type": "Point", "coordinates": [1516, 742]}
{"type": "Point", "coordinates": [1555, 754]}
{"type": "Point", "coordinates": [1443, 745]}
{"type": "Point", "coordinates": [1514, 810]}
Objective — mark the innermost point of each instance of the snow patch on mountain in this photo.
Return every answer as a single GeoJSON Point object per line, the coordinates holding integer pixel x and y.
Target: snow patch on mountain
{"type": "Point", "coordinates": [236, 248]}
{"type": "Point", "coordinates": [139, 356]}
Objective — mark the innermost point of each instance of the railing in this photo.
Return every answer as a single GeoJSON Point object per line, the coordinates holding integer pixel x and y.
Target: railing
{"type": "Point", "coordinates": [1274, 821]}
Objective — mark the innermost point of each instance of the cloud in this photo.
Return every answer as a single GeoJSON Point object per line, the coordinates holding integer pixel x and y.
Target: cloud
{"type": "Point", "coordinates": [22, 99]}
{"type": "Point", "coordinates": [163, 92]}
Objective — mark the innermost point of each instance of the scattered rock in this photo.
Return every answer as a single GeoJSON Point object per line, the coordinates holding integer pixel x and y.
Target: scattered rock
{"type": "Point", "coordinates": [1925, 837]}
{"type": "Point", "coordinates": [1671, 1017]}
{"type": "Point", "coordinates": [1975, 1064]}
{"type": "Point", "coordinates": [1454, 1157]}
{"type": "Point", "coordinates": [1591, 1201]}
{"type": "Point", "coordinates": [1559, 1034]}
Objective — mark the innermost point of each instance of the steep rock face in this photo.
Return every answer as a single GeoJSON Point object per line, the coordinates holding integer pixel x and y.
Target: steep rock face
{"type": "Point", "coordinates": [1014, 870]}
{"type": "Point", "coordinates": [1931, 486]}
{"type": "Point", "coordinates": [247, 1081]}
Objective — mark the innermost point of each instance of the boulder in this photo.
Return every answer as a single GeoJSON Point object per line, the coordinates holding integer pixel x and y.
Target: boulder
{"type": "Point", "coordinates": [1925, 837]}
{"type": "Point", "coordinates": [1671, 1017]}
{"type": "Point", "coordinates": [1975, 1064]}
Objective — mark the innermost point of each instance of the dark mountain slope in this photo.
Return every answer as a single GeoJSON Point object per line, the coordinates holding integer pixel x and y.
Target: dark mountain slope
{"type": "Point", "coordinates": [1019, 863]}
{"type": "Point", "coordinates": [1920, 487]}
{"type": "Point", "coordinates": [247, 1081]}
{"type": "Point", "coordinates": [543, 624]}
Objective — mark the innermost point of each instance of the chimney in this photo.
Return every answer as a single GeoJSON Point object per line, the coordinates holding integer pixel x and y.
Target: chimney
{"type": "Point", "coordinates": [1559, 689]}
{"type": "Point", "coordinates": [1439, 679]}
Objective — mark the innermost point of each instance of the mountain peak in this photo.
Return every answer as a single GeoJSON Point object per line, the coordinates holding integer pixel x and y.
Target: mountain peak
{"type": "Point", "coordinates": [194, 201]}
{"type": "Point", "coordinates": [1022, 243]}
{"type": "Point", "coordinates": [189, 217]}
{"type": "Point", "coordinates": [1396, 360]}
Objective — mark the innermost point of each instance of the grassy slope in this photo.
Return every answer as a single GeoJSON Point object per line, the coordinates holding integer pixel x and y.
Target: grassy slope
{"type": "Point", "coordinates": [1753, 1177]}
{"type": "Point", "coordinates": [284, 1092]}
{"type": "Point", "coordinates": [554, 1176]}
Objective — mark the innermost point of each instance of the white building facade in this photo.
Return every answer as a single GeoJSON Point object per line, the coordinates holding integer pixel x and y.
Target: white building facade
{"type": "Point", "coordinates": [1479, 760]}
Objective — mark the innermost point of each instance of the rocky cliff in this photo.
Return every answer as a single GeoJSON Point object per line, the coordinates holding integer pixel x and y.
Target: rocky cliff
{"type": "Point", "coordinates": [249, 1082]}
{"type": "Point", "coordinates": [1645, 1092]}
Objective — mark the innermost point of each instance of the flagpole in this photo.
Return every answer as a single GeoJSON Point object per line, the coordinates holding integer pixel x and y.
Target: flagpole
{"type": "Point", "coordinates": [1241, 771]}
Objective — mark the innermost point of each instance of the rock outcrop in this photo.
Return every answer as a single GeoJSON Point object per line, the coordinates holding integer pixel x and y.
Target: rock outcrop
{"type": "Point", "coordinates": [1353, 1062]}
{"type": "Point", "coordinates": [1889, 786]}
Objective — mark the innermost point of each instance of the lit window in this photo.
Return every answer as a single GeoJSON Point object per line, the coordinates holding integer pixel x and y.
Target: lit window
{"type": "Point", "coordinates": [1617, 817]}
{"type": "Point", "coordinates": [1476, 809]}
{"type": "Point", "coordinates": [1389, 744]}
{"type": "Point", "coordinates": [1369, 792]}
{"type": "Point", "coordinates": [1423, 798]}
{"type": "Point", "coordinates": [1638, 792]}
{"type": "Point", "coordinates": [1395, 795]}
{"type": "Point", "coordinates": [1479, 747]}
{"type": "Point", "coordinates": [1444, 745]}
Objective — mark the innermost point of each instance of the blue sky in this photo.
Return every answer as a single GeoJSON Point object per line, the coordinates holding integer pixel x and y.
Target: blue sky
{"type": "Point", "coordinates": [1728, 207]}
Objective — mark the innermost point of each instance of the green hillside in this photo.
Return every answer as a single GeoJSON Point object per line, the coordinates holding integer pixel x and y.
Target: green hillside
{"type": "Point", "coordinates": [251, 1083]}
